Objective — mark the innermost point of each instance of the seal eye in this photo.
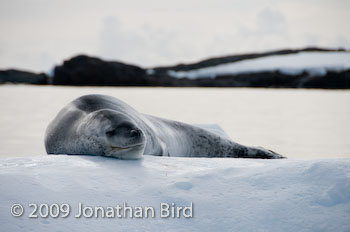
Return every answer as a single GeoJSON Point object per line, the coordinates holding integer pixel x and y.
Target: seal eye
{"type": "Point", "coordinates": [111, 132]}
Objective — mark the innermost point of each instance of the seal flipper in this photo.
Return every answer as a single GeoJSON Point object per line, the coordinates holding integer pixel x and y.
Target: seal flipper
{"type": "Point", "coordinates": [262, 153]}
{"type": "Point", "coordinates": [159, 149]}
{"type": "Point", "coordinates": [163, 148]}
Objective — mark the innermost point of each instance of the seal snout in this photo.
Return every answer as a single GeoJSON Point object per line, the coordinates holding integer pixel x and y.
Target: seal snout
{"type": "Point", "coordinates": [124, 139]}
{"type": "Point", "coordinates": [126, 130]}
{"type": "Point", "coordinates": [125, 135]}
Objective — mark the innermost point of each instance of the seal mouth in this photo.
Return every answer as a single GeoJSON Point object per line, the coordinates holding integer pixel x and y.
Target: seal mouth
{"type": "Point", "coordinates": [125, 148]}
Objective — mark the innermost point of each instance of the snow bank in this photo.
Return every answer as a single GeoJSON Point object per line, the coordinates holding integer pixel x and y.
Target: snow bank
{"type": "Point", "coordinates": [227, 194]}
{"type": "Point", "coordinates": [316, 63]}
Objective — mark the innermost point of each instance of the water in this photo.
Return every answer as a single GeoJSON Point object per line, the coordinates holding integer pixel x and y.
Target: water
{"type": "Point", "coordinates": [302, 124]}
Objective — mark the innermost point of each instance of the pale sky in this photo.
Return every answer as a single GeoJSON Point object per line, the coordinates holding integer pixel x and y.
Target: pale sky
{"type": "Point", "coordinates": [38, 34]}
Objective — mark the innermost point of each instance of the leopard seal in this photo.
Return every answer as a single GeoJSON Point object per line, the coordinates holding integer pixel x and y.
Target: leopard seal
{"type": "Point", "coordinates": [106, 126]}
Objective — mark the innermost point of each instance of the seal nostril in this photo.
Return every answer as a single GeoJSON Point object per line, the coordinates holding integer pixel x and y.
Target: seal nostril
{"type": "Point", "coordinates": [135, 132]}
{"type": "Point", "coordinates": [111, 132]}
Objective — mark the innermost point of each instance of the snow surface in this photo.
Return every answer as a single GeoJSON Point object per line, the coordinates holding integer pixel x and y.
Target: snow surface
{"type": "Point", "coordinates": [227, 194]}
{"type": "Point", "coordinates": [316, 63]}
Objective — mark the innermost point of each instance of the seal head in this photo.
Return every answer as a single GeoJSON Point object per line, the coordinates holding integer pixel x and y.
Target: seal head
{"type": "Point", "coordinates": [113, 133]}
{"type": "Point", "coordinates": [105, 132]}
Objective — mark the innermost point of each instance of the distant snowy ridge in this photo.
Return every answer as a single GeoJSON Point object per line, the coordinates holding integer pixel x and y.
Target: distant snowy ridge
{"type": "Point", "coordinates": [227, 194]}
{"type": "Point", "coordinates": [315, 63]}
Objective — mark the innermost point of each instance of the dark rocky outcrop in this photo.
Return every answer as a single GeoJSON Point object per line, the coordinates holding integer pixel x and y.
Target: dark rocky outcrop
{"type": "Point", "coordinates": [16, 76]}
{"type": "Point", "coordinates": [235, 58]}
{"type": "Point", "coordinates": [273, 79]}
{"type": "Point", "coordinates": [332, 80]}
{"type": "Point", "coordinates": [85, 70]}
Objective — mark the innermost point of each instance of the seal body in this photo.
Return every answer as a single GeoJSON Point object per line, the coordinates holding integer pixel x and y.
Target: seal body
{"type": "Point", "coordinates": [106, 126]}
